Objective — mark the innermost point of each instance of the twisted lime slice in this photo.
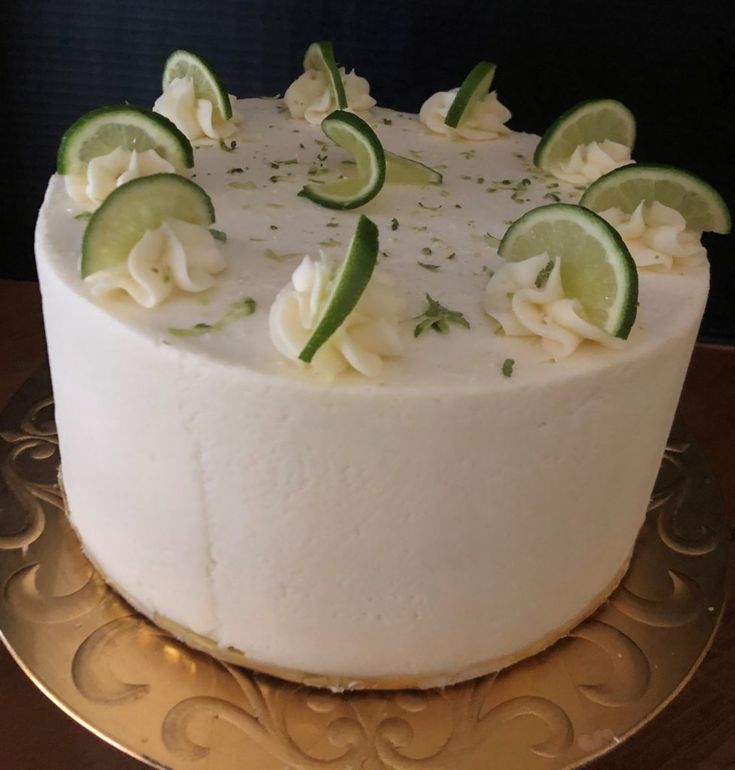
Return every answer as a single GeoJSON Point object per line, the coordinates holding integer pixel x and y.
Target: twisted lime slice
{"type": "Point", "coordinates": [474, 87]}
{"type": "Point", "coordinates": [138, 206]}
{"type": "Point", "coordinates": [698, 202]}
{"type": "Point", "coordinates": [586, 122]}
{"type": "Point", "coordinates": [354, 135]}
{"type": "Point", "coordinates": [596, 267]}
{"type": "Point", "coordinates": [207, 85]}
{"type": "Point", "coordinates": [402, 170]}
{"type": "Point", "coordinates": [320, 56]}
{"type": "Point", "coordinates": [101, 131]}
{"type": "Point", "coordinates": [347, 287]}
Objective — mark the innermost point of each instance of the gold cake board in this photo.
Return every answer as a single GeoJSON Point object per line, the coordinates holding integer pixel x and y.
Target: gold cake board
{"type": "Point", "coordinates": [150, 695]}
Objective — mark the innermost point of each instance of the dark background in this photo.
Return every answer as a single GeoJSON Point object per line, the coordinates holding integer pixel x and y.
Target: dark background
{"type": "Point", "coordinates": [672, 63]}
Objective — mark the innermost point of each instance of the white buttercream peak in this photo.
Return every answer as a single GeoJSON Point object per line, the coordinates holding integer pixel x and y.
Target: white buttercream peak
{"type": "Point", "coordinates": [368, 334]}
{"type": "Point", "coordinates": [310, 96]}
{"type": "Point", "coordinates": [486, 120]}
{"type": "Point", "coordinates": [196, 118]}
{"type": "Point", "coordinates": [176, 256]}
{"type": "Point", "coordinates": [657, 236]}
{"type": "Point", "coordinates": [106, 172]}
{"type": "Point", "coordinates": [527, 299]}
{"type": "Point", "coordinates": [590, 161]}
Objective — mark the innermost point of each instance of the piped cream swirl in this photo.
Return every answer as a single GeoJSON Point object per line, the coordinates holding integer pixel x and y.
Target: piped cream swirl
{"type": "Point", "coordinates": [486, 120]}
{"type": "Point", "coordinates": [590, 161]}
{"type": "Point", "coordinates": [310, 96]}
{"type": "Point", "coordinates": [178, 256]}
{"type": "Point", "coordinates": [196, 118]}
{"type": "Point", "coordinates": [106, 172]}
{"type": "Point", "coordinates": [526, 303]}
{"type": "Point", "coordinates": [368, 334]}
{"type": "Point", "coordinates": [657, 236]}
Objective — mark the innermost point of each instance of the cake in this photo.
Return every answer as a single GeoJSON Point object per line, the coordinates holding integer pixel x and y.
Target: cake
{"type": "Point", "coordinates": [460, 508]}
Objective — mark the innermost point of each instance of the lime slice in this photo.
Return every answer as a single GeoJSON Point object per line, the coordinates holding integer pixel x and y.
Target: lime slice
{"type": "Point", "coordinates": [207, 85]}
{"type": "Point", "coordinates": [138, 206]}
{"type": "Point", "coordinates": [699, 203]}
{"type": "Point", "coordinates": [586, 122]}
{"type": "Point", "coordinates": [354, 135]}
{"type": "Point", "coordinates": [400, 170]}
{"type": "Point", "coordinates": [320, 56]}
{"type": "Point", "coordinates": [474, 87]}
{"type": "Point", "coordinates": [596, 267]}
{"type": "Point", "coordinates": [102, 130]}
{"type": "Point", "coordinates": [347, 286]}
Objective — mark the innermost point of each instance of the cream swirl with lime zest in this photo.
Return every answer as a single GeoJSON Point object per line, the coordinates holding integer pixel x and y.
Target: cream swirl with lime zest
{"type": "Point", "coordinates": [310, 96]}
{"type": "Point", "coordinates": [590, 161]}
{"type": "Point", "coordinates": [657, 236]}
{"type": "Point", "coordinates": [106, 172]}
{"type": "Point", "coordinates": [178, 256]}
{"type": "Point", "coordinates": [486, 120]}
{"type": "Point", "coordinates": [368, 334]}
{"type": "Point", "coordinates": [197, 119]}
{"type": "Point", "coordinates": [527, 299]}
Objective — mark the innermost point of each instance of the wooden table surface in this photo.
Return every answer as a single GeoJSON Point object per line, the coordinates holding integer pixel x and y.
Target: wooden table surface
{"type": "Point", "coordinates": [696, 732]}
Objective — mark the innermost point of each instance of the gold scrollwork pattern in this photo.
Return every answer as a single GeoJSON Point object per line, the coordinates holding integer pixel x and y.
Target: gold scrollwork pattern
{"type": "Point", "coordinates": [36, 441]}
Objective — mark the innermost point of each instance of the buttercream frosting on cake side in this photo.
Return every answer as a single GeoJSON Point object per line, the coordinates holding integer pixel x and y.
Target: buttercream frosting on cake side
{"type": "Point", "coordinates": [424, 520]}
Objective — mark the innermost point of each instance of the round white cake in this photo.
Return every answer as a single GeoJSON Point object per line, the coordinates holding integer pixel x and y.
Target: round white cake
{"type": "Point", "coordinates": [437, 521]}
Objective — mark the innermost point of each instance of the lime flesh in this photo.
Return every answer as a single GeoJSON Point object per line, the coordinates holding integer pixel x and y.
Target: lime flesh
{"type": "Point", "coordinates": [587, 122]}
{"type": "Point", "coordinates": [401, 170]}
{"type": "Point", "coordinates": [320, 56]}
{"type": "Point", "coordinates": [101, 131]}
{"type": "Point", "coordinates": [596, 267]}
{"type": "Point", "coordinates": [355, 136]}
{"type": "Point", "coordinates": [207, 85]}
{"type": "Point", "coordinates": [474, 87]}
{"type": "Point", "coordinates": [698, 202]}
{"type": "Point", "coordinates": [134, 208]}
{"type": "Point", "coordinates": [348, 286]}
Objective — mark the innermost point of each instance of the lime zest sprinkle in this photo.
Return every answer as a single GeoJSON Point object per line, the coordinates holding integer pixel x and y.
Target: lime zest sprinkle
{"type": "Point", "coordinates": [394, 224]}
{"type": "Point", "coordinates": [491, 241]}
{"type": "Point", "coordinates": [218, 235]}
{"type": "Point", "coordinates": [83, 215]}
{"type": "Point", "coordinates": [429, 208]}
{"type": "Point", "coordinates": [507, 367]}
{"type": "Point", "coordinates": [438, 318]}
{"type": "Point", "coordinates": [427, 266]}
{"type": "Point", "coordinates": [243, 185]}
{"type": "Point", "coordinates": [227, 147]}
{"type": "Point", "coordinates": [426, 251]}
{"type": "Point", "coordinates": [543, 276]}
{"type": "Point", "coordinates": [236, 170]}
{"type": "Point", "coordinates": [276, 257]}
{"type": "Point", "coordinates": [329, 243]}
{"type": "Point", "coordinates": [238, 309]}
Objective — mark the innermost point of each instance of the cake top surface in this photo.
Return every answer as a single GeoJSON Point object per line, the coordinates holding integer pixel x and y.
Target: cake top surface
{"type": "Point", "coordinates": [437, 239]}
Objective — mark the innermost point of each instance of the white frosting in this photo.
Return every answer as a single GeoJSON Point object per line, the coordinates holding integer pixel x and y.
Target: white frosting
{"type": "Point", "coordinates": [367, 335]}
{"type": "Point", "coordinates": [590, 161]}
{"type": "Point", "coordinates": [310, 96]}
{"type": "Point", "coordinates": [486, 120]}
{"type": "Point", "coordinates": [657, 236]}
{"type": "Point", "coordinates": [523, 308]}
{"type": "Point", "coordinates": [177, 256]}
{"type": "Point", "coordinates": [416, 523]}
{"type": "Point", "coordinates": [196, 118]}
{"type": "Point", "coordinates": [106, 172]}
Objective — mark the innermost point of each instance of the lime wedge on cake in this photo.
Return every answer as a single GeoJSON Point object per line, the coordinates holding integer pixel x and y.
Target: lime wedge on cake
{"type": "Point", "coordinates": [320, 56]}
{"type": "Point", "coordinates": [591, 121]}
{"type": "Point", "coordinates": [101, 131]}
{"type": "Point", "coordinates": [474, 87]}
{"type": "Point", "coordinates": [135, 207]}
{"type": "Point", "coordinates": [402, 170]}
{"type": "Point", "coordinates": [596, 267]}
{"type": "Point", "coordinates": [348, 286]}
{"type": "Point", "coordinates": [698, 202]}
{"type": "Point", "coordinates": [207, 85]}
{"type": "Point", "coordinates": [354, 135]}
